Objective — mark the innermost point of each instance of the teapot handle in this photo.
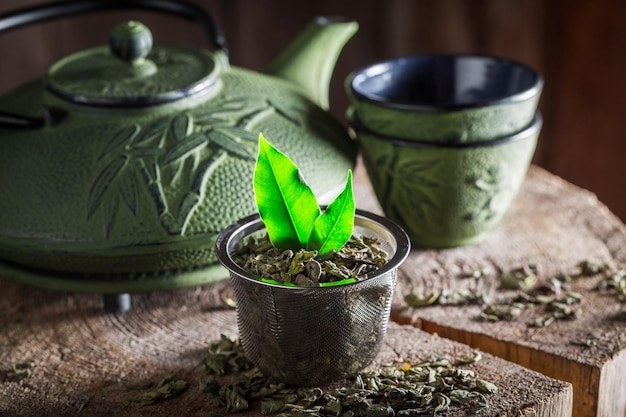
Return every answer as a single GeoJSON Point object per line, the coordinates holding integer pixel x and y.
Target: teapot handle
{"type": "Point", "coordinates": [28, 15]}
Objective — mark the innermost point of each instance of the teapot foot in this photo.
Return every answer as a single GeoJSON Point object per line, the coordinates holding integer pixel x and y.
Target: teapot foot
{"type": "Point", "coordinates": [116, 303]}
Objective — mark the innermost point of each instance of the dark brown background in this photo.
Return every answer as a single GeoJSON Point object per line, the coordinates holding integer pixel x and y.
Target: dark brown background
{"type": "Point", "coordinates": [579, 46]}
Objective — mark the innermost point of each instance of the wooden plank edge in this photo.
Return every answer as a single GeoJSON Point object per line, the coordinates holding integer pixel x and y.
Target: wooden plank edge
{"type": "Point", "coordinates": [585, 379]}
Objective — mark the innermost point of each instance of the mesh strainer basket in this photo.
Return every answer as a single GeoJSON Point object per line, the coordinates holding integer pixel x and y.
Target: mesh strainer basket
{"type": "Point", "coordinates": [309, 336]}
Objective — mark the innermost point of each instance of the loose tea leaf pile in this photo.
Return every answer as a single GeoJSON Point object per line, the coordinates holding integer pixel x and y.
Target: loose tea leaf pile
{"type": "Point", "coordinates": [353, 262]}
{"type": "Point", "coordinates": [554, 298]}
{"type": "Point", "coordinates": [425, 388]}
{"type": "Point", "coordinates": [615, 282]}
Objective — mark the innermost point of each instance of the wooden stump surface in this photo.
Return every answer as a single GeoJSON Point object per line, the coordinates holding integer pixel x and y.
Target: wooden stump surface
{"type": "Point", "coordinates": [553, 225]}
{"type": "Point", "coordinates": [87, 362]}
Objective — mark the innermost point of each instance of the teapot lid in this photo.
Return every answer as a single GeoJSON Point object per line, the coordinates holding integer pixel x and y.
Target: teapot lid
{"type": "Point", "coordinates": [132, 72]}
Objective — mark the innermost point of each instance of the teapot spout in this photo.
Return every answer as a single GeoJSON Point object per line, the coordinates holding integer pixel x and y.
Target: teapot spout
{"type": "Point", "coordinates": [310, 59]}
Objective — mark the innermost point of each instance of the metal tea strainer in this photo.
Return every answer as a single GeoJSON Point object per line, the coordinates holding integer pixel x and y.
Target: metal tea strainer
{"type": "Point", "coordinates": [309, 336]}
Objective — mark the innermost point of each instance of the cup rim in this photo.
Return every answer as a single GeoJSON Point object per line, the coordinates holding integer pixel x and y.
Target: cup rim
{"type": "Point", "coordinates": [252, 223]}
{"type": "Point", "coordinates": [379, 67]}
{"type": "Point", "coordinates": [358, 127]}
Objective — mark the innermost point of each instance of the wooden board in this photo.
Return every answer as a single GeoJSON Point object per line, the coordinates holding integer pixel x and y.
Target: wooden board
{"type": "Point", "coordinates": [553, 225]}
{"type": "Point", "coordinates": [88, 363]}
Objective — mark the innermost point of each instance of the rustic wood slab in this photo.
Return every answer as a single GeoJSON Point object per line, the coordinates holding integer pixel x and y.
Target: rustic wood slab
{"type": "Point", "coordinates": [552, 225]}
{"type": "Point", "coordinates": [88, 363]}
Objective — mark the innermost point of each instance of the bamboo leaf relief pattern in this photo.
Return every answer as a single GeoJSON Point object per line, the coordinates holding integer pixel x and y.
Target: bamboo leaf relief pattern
{"type": "Point", "coordinates": [128, 191]}
{"type": "Point", "coordinates": [184, 148]}
{"type": "Point", "coordinates": [181, 126]}
{"type": "Point", "coordinates": [286, 112]}
{"type": "Point", "coordinates": [492, 183]}
{"type": "Point", "coordinates": [229, 143]}
{"type": "Point", "coordinates": [417, 177]}
{"type": "Point", "coordinates": [102, 183]}
{"type": "Point", "coordinates": [404, 174]}
{"type": "Point", "coordinates": [171, 159]}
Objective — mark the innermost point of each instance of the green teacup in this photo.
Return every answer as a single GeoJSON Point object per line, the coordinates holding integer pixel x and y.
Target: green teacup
{"type": "Point", "coordinates": [453, 98]}
{"type": "Point", "coordinates": [447, 195]}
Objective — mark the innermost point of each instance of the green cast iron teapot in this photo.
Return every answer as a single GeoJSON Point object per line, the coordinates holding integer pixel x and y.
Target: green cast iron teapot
{"type": "Point", "coordinates": [120, 167]}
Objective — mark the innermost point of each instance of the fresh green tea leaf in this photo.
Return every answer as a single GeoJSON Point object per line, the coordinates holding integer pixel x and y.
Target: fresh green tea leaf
{"type": "Point", "coordinates": [285, 202]}
{"type": "Point", "coordinates": [333, 227]}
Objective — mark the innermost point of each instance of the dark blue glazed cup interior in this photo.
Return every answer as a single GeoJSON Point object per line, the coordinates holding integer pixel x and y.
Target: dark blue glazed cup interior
{"type": "Point", "coordinates": [446, 81]}
{"type": "Point", "coordinates": [445, 98]}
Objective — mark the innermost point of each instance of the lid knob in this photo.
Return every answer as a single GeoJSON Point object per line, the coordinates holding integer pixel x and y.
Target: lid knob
{"type": "Point", "coordinates": [131, 42]}
{"type": "Point", "coordinates": [132, 71]}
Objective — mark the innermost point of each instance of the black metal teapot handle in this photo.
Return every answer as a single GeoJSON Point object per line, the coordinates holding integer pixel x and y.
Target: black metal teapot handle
{"type": "Point", "coordinates": [29, 15]}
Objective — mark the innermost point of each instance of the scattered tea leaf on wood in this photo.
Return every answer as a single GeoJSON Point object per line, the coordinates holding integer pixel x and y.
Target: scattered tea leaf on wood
{"type": "Point", "coordinates": [476, 356]}
{"type": "Point", "coordinates": [23, 370]}
{"type": "Point", "coordinates": [586, 343]}
{"type": "Point", "coordinates": [421, 300]}
{"type": "Point", "coordinates": [446, 297]}
{"type": "Point", "coordinates": [475, 274]}
{"type": "Point", "coordinates": [230, 303]}
{"type": "Point", "coordinates": [590, 268]}
{"type": "Point", "coordinates": [225, 356]}
{"type": "Point", "coordinates": [523, 278]}
{"type": "Point", "coordinates": [486, 386]}
{"type": "Point", "coordinates": [459, 297]}
{"type": "Point", "coordinates": [501, 311]}
{"type": "Point", "coordinates": [553, 299]}
{"type": "Point", "coordinates": [615, 282]}
{"type": "Point", "coordinates": [169, 387]}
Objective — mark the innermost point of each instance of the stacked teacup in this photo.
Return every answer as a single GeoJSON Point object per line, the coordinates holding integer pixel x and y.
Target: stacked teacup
{"type": "Point", "coordinates": [446, 140]}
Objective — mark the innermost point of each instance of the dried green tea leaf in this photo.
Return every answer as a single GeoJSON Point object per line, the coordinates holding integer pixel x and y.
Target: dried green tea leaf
{"type": "Point", "coordinates": [23, 369]}
{"type": "Point", "coordinates": [522, 278]}
{"type": "Point", "coordinates": [486, 386]}
{"type": "Point", "coordinates": [230, 303]}
{"type": "Point", "coordinates": [590, 268]}
{"type": "Point", "coordinates": [299, 260]}
{"type": "Point", "coordinates": [209, 385]}
{"type": "Point", "coordinates": [356, 259]}
{"type": "Point", "coordinates": [460, 395]}
{"type": "Point", "coordinates": [235, 398]}
{"type": "Point", "coordinates": [271, 406]}
{"type": "Point", "coordinates": [476, 356]}
{"type": "Point", "coordinates": [421, 300]}
{"type": "Point", "coordinates": [541, 321]}
{"type": "Point", "coordinates": [497, 312]}
{"type": "Point", "coordinates": [224, 356]}
{"type": "Point", "coordinates": [146, 398]}
{"type": "Point", "coordinates": [459, 297]}
{"type": "Point", "coordinates": [168, 387]}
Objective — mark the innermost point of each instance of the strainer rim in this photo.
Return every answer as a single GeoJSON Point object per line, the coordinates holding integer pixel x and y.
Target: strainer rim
{"type": "Point", "coordinates": [252, 223]}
